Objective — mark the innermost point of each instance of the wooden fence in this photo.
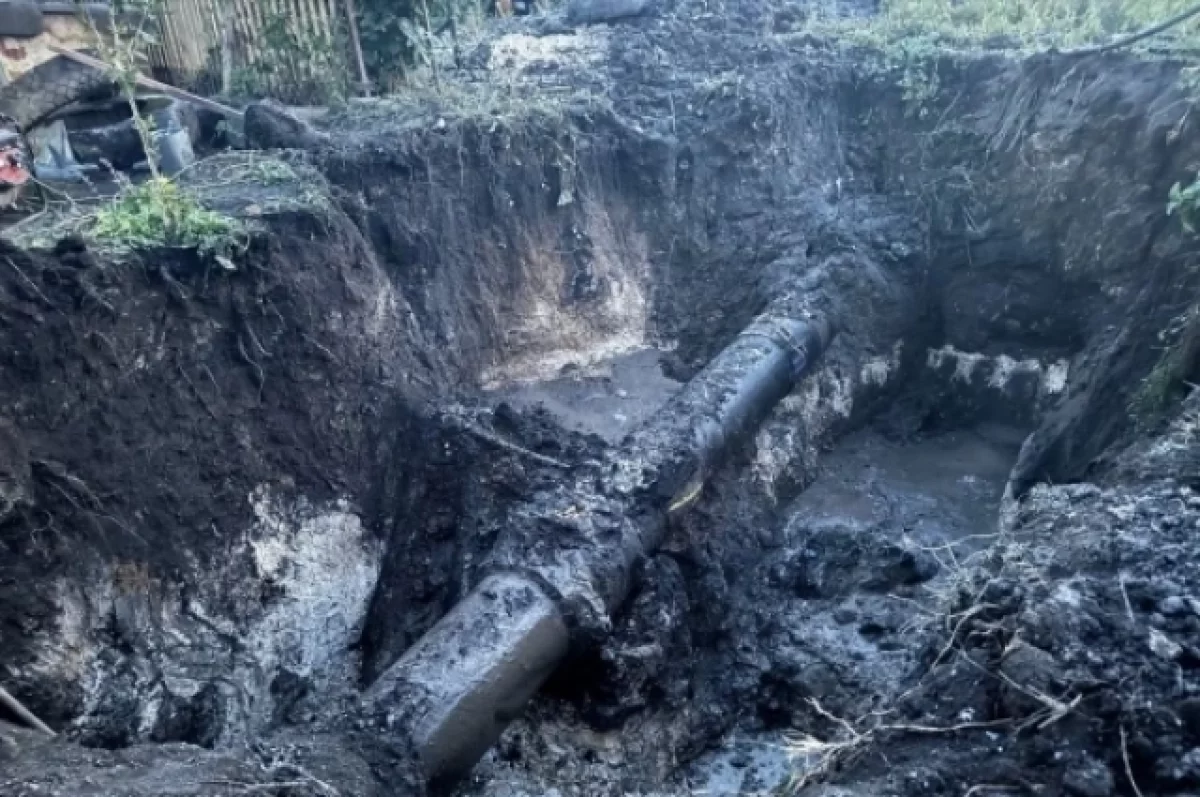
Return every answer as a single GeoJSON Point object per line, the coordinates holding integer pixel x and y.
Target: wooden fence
{"type": "Point", "coordinates": [289, 49]}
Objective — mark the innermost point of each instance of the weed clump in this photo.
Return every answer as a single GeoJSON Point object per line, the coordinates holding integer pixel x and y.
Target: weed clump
{"type": "Point", "coordinates": [1063, 21]}
{"type": "Point", "coordinates": [158, 213]}
{"type": "Point", "coordinates": [1184, 202]}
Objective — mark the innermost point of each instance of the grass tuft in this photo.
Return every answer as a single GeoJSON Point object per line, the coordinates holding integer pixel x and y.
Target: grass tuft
{"type": "Point", "coordinates": [159, 213]}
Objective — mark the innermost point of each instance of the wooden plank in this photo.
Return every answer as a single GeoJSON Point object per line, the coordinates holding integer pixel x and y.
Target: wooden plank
{"type": "Point", "coordinates": [364, 80]}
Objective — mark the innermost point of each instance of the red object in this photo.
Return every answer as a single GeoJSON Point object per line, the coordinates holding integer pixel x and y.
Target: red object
{"type": "Point", "coordinates": [12, 169]}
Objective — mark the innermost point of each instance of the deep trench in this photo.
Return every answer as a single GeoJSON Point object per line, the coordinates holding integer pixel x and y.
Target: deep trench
{"type": "Point", "coordinates": [507, 315]}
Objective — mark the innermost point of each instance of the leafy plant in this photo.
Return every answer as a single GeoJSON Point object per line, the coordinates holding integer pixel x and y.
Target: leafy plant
{"type": "Point", "coordinates": [297, 64]}
{"type": "Point", "coordinates": [123, 49]}
{"type": "Point", "coordinates": [916, 60]}
{"type": "Point", "coordinates": [1185, 202]}
{"type": "Point", "coordinates": [1169, 379]}
{"type": "Point", "coordinates": [399, 34]}
{"type": "Point", "coordinates": [158, 213]}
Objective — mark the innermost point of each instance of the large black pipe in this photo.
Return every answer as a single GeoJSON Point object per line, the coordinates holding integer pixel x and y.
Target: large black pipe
{"type": "Point", "coordinates": [565, 560]}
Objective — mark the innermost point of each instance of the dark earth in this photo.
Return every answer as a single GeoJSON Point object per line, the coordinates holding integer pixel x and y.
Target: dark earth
{"type": "Point", "coordinates": [961, 559]}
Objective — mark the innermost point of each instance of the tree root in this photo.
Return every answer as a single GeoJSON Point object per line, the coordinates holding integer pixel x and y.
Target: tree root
{"type": "Point", "coordinates": [505, 445]}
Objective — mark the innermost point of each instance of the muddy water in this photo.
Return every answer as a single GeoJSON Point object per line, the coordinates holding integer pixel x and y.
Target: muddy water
{"type": "Point", "coordinates": [941, 489]}
{"type": "Point", "coordinates": [609, 399]}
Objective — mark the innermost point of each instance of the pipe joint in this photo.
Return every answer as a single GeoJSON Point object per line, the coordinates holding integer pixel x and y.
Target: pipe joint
{"type": "Point", "coordinates": [803, 340]}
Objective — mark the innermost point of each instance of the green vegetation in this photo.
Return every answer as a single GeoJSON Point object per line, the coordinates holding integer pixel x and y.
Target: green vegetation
{"type": "Point", "coordinates": [1064, 22]}
{"type": "Point", "coordinates": [399, 34]}
{"type": "Point", "coordinates": [1184, 202]}
{"type": "Point", "coordinates": [158, 213]}
{"type": "Point", "coordinates": [214, 207]}
{"type": "Point", "coordinates": [1168, 381]}
{"type": "Point", "coordinates": [123, 49]}
{"type": "Point", "coordinates": [299, 66]}
{"type": "Point", "coordinates": [1025, 23]}
{"type": "Point", "coordinates": [915, 61]}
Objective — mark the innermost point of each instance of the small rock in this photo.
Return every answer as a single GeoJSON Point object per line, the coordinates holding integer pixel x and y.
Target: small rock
{"type": "Point", "coordinates": [1181, 772]}
{"type": "Point", "coordinates": [1032, 670]}
{"type": "Point", "coordinates": [1088, 778]}
{"type": "Point", "coordinates": [270, 125]}
{"type": "Point", "coordinates": [1173, 606]}
{"type": "Point", "coordinates": [1189, 713]}
{"type": "Point", "coordinates": [844, 615]}
{"type": "Point", "coordinates": [1163, 646]}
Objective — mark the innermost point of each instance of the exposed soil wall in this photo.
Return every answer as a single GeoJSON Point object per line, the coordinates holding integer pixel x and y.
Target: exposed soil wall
{"type": "Point", "coordinates": [526, 244]}
{"type": "Point", "coordinates": [188, 450]}
{"type": "Point", "coordinates": [1046, 180]}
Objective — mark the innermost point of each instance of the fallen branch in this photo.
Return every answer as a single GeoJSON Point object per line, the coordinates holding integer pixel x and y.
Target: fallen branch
{"type": "Point", "coordinates": [244, 787]}
{"type": "Point", "coordinates": [501, 443]}
{"type": "Point", "coordinates": [32, 285]}
{"type": "Point", "coordinates": [24, 714]}
{"type": "Point", "coordinates": [149, 83]}
{"type": "Point", "coordinates": [1125, 595]}
{"type": "Point", "coordinates": [936, 729]}
{"type": "Point", "coordinates": [982, 788]}
{"type": "Point", "coordinates": [356, 47]}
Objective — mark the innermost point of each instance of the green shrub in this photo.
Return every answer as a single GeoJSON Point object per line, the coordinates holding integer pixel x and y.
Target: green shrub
{"type": "Point", "coordinates": [1184, 202]}
{"type": "Point", "coordinates": [296, 66]}
{"type": "Point", "coordinates": [160, 213]}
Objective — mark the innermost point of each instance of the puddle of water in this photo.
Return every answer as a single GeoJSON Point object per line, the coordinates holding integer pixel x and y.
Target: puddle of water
{"type": "Point", "coordinates": [609, 399]}
{"type": "Point", "coordinates": [942, 489]}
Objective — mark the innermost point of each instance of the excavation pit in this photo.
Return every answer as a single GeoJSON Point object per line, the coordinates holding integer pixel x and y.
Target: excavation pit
{"type": "Point", "coordinates": [231, 500]}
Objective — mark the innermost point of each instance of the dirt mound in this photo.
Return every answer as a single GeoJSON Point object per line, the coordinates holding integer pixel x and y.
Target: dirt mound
{"type": "Point", "coordinates": [1066, 664]}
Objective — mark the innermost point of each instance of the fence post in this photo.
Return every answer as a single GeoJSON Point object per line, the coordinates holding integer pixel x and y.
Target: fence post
{"type": "Point", "coordinates": [356, 45]}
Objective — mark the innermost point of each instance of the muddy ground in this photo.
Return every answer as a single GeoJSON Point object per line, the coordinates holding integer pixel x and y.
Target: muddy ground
{"type": "Point", "coordinates": [959, 559]}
